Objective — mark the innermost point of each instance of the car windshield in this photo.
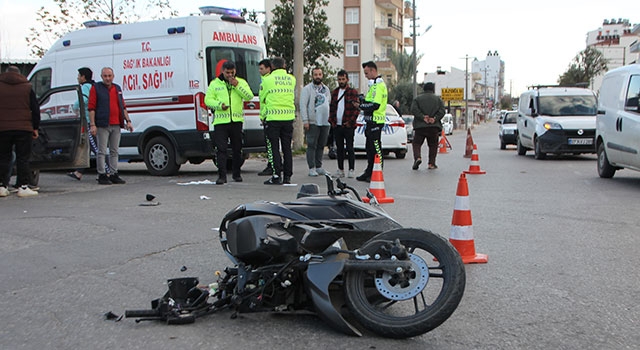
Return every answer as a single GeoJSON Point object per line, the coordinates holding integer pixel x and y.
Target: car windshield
{"type": "Point", "coordinates": [565, 106]}
{"type": "Point", "coordinates": [510, 118]}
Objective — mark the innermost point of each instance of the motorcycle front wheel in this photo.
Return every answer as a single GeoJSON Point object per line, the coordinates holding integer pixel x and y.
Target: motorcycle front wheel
{"type": "Point", "coordinates": [416, 301]}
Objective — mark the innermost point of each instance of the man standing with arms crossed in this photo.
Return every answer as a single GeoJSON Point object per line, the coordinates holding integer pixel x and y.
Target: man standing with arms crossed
{"type": "Point", "coordinates": [342, 117]}
{"type": "Point", "coordinates": [314, 110]}
{"type": "Point", "coordinates": [108, 114]}
{"type": "Point", "coordinates": [373, 107]}
{"type": "Point", "coordinates": [226, 95]}
{"type": "Point", "coordinates": [278, 110]}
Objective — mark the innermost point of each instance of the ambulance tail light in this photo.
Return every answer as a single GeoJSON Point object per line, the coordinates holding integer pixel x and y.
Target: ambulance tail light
{"type": "Point", "coordinates": [202, 113]}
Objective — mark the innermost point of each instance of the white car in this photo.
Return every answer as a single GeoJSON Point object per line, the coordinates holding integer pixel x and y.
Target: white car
{"type": "Point", "coordinates": [447, 124]}
{"type": "Point", "coordinates": [508, 133]}
{"type": "Point", "coordinates": [394, 134]}
{"type": "Point", "coordinates": [618, 121]}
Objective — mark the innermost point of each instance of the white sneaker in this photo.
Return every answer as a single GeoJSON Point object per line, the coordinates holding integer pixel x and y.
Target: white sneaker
{"type": "Point", "coordinates": [340, 173]}
{"type": "Point", "coordinates": [351, 174]}
{"type": "Point", "coordinates": [321, 171]}
{"type": "Point", "coordinates": [313, 172]}
{"type": "Point", "coordinates": [3, 191]}
{"type": "Point", "coordinates": [25, 191]}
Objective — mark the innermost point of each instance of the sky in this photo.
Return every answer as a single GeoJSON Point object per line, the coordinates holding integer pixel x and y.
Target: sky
{"type": "Point", "coordinates": [536, 40]}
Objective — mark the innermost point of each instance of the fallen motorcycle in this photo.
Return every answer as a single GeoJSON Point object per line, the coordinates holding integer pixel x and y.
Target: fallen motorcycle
{"type": "Point", "coordinates": [318, 253]}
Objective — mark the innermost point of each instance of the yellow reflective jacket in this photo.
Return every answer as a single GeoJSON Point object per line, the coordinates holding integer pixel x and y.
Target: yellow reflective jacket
{"type": "Point", "coordinates": [219, 92]}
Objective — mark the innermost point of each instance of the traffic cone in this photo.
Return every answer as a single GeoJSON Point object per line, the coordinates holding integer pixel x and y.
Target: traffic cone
{"type": "Point", "coordinates": [461, 229]}
{"type": "Point", "coordinates": [376, 186]}
{"type": "Point", "coordinates": [443, 144]}
{"type": "Point", "coordinates": [474, 167]}
{"type": "Point", "coordinates": [468, 149]}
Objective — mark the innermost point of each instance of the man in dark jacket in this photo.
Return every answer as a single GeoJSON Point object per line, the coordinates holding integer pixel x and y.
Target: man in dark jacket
{"type": "Point", "coordinates": [342, 117]}
{"type": "Point", "coordinates": [19, 123]}
{"type": "Point", "coordinates": [428, 110]}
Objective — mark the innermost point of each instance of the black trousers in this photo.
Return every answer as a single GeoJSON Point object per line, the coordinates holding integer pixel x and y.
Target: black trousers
{"type": "Point", "coordinates": [280, 135]}
{"type": "Point", "coordinates": [432, 135]}
{"type": "Point", "coordinates": [224, 134]}
{"type": "Point", "coordinates": [373, 145]}
{"type": "Point", "coordinates": [22, 142]}
{"type": "Point", "coordinates": [344, 138]}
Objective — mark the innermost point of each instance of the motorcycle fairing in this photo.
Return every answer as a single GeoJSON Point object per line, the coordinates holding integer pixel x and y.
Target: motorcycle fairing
{"type": "Point", "coordinates": [318, 277]}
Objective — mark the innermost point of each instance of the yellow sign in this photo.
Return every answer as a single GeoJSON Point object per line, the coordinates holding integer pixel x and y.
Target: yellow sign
{"type": "Point", "coordinates": [449, 94]}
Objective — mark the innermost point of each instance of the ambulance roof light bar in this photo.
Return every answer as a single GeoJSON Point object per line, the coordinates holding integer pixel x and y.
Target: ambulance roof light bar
{"type": "Point", "coordinates": [216, 10]}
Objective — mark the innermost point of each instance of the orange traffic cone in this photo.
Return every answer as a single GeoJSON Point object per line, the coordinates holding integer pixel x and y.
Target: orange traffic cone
{"type": "Point", "coordinates": [443, 144]}
{"type": "Point", "coordinates": [474, 167]}
{"type": "Point", "coordinates": [468, 149]}
{"type": "Point", "coordinates": [376, 186]}
{"type": "Point", "coordinates": [461, 229]}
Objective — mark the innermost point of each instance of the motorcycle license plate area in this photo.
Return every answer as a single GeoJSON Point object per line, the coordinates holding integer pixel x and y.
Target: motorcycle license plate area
{"type": "Point", "coordinates": [581, 141]}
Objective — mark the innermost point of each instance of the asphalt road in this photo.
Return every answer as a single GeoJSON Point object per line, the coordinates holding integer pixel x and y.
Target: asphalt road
{"type": "Point", "coordinates": [562, 246]}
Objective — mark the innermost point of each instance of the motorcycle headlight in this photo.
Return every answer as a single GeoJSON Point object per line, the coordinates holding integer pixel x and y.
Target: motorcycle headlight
{"type": "Point", "coordinates": [552, 125]}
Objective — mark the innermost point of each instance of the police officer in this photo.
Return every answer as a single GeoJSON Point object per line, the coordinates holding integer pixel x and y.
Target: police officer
{"type": "Point", "coordinates": [373, 106]}
{"type": "Point", "coordinates": [225, 96]}
{"type": "Point", "coordinates": [277, 111]}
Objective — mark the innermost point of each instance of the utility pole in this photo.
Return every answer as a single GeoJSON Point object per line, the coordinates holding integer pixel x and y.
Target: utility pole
{"type": "Point", "coordinates": [413, 55]}
{"type": "Point", "coordinates": [466, 91]}
{"type": "Point", "coordinates": [484, 72]}
{"type": "Point", "coordinates": [298, 67]}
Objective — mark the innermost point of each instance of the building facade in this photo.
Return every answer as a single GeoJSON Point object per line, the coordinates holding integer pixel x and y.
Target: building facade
{"type": "Point", "coordinates": [619, 42]}
{"type": "Point", "coordinates": [369, 30]}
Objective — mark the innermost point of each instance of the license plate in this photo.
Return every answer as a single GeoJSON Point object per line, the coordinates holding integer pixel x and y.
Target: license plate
{"type": "Point", "coordinates": [581, 141]}
{"type": "Point", "coordinates": [508, 131]}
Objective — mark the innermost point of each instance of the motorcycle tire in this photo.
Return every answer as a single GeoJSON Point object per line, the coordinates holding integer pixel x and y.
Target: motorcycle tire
{"type": "Point", "coordinates": [421, 310]}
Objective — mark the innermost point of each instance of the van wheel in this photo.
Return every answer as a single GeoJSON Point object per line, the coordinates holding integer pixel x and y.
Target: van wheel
{"type": "Point", "coordinates": [605, 169]}
{"type": "Point", "coordinates": [401, 154]}
{"type": "Point", "coordinates": [538, 154]}
{"type": "Point", "coordinates": [503, 145]}
{"type": "Point", "coordinates": [521, 150]}
{"type": "Point", "coordinates": [160, 157]}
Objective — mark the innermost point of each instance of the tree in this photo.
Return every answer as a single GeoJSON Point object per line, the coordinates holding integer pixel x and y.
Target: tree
{"type": "Point", "coordinates": [402, 88]}
{"type": "Point", "coordinates": [319, 46]}
{"type": "Point", "coordinates": [587, 64]}
{"type": "Point", "coordinates": [70, 14]}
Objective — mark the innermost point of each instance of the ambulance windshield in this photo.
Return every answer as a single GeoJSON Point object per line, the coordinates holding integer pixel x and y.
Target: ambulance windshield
{"type": "Point", "coordinates": [246, 64]}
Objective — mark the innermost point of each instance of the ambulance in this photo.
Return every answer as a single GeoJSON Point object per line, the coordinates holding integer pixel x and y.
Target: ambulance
{"type": "Point", "coordinates": [164, 68]}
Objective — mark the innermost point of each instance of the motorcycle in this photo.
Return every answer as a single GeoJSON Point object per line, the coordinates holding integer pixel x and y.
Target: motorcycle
{"type": "Point", "coordinates": [318, 253]}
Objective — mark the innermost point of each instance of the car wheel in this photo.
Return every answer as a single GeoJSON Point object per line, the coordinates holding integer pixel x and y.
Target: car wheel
{"type": "Point", "coordinates": [503, 145]}
{"type": "Point", "coordinates": [160, 157]}
{"type": "Point", "coordinates": [538, 154]}
{"type": "Point", "coordinates": [521, 150]}
{"type": "Point", "coordinates": [401, 154]}
{"type": "Point", "coordinates": [605, 169]}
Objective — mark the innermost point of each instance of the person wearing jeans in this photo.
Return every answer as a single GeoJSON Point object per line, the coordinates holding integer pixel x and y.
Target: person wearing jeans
{"type": "Point", "coordinates": [314, 110]}
{"type": "Point", "coordinates": [342, 117]}
{"type": "Point", "coordinates": [108, 114]}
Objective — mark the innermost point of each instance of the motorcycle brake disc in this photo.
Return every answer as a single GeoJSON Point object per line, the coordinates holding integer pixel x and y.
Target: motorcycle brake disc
{"type": "Point", "coordinates": [390, 284]}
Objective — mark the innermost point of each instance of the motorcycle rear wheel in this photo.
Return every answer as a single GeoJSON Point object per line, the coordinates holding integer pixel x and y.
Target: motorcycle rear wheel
{"type": "Point", "coordinates": [418, 314]}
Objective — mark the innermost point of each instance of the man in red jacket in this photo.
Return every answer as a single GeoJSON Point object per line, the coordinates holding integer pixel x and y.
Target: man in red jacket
{"type": "Point", "coordinates": [342, 117]}
{"type": "Point", "coordinates": [19, 123]}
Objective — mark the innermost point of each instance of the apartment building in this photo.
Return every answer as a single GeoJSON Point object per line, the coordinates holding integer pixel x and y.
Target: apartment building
{"type": "Point", "coordinates": [369, 30]}
{"type": "Point", "coordinates": [618, 41]}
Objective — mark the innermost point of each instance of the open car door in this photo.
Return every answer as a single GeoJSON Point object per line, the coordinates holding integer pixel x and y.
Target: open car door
{"type": "Point", "coordinates": [63, 141]}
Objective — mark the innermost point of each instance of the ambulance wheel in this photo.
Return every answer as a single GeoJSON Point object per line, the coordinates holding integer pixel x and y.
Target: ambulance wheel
{"type": "Point", "coordinates": [160, 157]}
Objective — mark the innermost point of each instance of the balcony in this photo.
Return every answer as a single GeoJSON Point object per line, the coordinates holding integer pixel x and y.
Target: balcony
{"type": "Point", "coordinates": [408, 10]}
{"type": "Point", "coordinates": [390, 4]}
{"type": "Point", "coordinates": [388, 31]}
{"type": "Point", "coordinates": [408, 41]}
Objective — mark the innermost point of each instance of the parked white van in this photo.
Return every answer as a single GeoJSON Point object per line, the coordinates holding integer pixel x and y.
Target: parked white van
{"type": "Point", "coordinates": [556, 120]}
{"type": "Point", "coordinates": [618, 121]}
{"type": "Point", "coordinates": [164, 68]}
